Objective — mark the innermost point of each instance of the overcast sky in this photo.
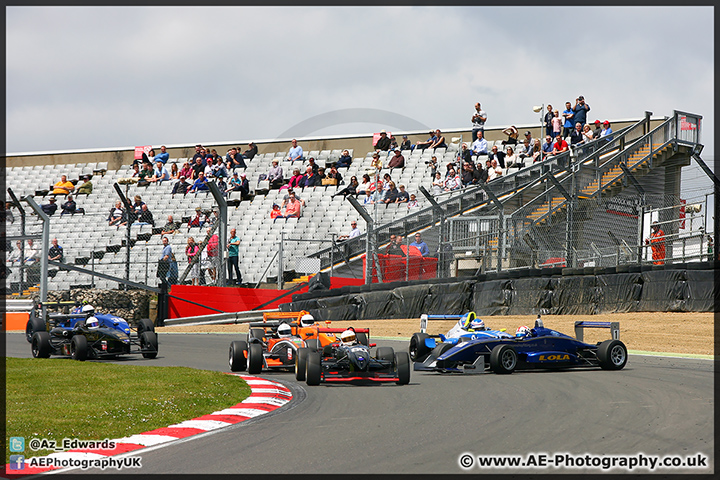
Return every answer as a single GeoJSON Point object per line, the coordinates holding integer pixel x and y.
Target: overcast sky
{"type": "Point", "coordinates": [95, 77]}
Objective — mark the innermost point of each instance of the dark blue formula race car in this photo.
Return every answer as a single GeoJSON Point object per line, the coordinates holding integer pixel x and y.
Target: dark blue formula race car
{"type": "Point", "coordinates": [536, 348]}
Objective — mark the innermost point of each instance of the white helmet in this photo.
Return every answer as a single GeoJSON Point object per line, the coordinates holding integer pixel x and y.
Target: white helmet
{"type": "Point", "coordinates": [284, 330]}
{"type": "Point", "coordinates": [92, 323]}
{"type": "Point", "coordinates": [88, 309]}
{"type": "Point", "coordinates": [477, 324]}
{"type": "Point", "coordinates": [522, 331]}
{"type": "Point", "coordinates": [307, 320]}
{"type": "Point", "coordinates": [347, 337]}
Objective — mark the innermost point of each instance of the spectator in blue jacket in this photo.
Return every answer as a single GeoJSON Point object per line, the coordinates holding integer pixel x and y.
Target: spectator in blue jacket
{"type": "Point", "coordinates": [421, 245]}
{"type": "Point", "coordinates": [163, 156]}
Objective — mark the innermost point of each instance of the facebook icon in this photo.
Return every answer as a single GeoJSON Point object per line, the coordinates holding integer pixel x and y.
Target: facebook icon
{"type": "Point", "coordinates": [17, 462]}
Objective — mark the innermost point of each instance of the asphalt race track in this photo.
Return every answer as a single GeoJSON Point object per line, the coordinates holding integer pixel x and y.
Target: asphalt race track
{"type": "Point", "coordinates": [655, 406]}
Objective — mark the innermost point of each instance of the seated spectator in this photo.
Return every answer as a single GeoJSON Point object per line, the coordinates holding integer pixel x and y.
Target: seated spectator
{"type": "Point", "coordinates": [310, 179]}
{"type": "Point", "coordinates": [275, 212]}
{"type": "Point", "coordinates": [587, 133]}
{"type": "Point", "coordinates": [345, 160]}
{"type": "Point", "coordinates": [402, 195]}
{"type": "Point", "coordinates": [174, 172]}
{"type": "Point", "coordinates": [149, 157]}
{"type": "Point", "coordinates": [547, 146]}
{"type": "Point", "coordinates": [219, 170]}
{"type": "Point", "coordinates": [181, 186]}
{"type": "Point", "coordinates": [597, 133]}
{"type": "Point", "coordinates": [118, 215]}
{"type": "Point", "coordinates": [479, 174]}
{"type": "Point", "coordinates": [494, 170]}
{"type": "Point", "coordinates": [160, 174]}
{"type": "Point", "coordinates": [364, 186]}
{"type": "Point", "coordinates": [559, 146]}
{"type": "Point", "coordinates": [286, 198]}
{"type": "Point", "coordinates": [480, 146]}
{"type": "Point", "coordinates": [56, 253]}
{"type": "Point", "coordinates": [576, 136]}
{"type": "Point", "coordinates": [235, 184]}
{"type": "Point", "coordinates": [198, 220]}
{"type": "Point", "coordinates": [294, 181]}
{"type": "Point", "coordinates": [200, 185]}
{"type": "Point", "coordinates": [170, 227]}
{"type": "Point", "coordinates": [71, 207]}
{"type": "Point", "coordinates": [198, 167]}
{"type": "Point", "coordinates": [86, 187]}
{"type": "Point", "coordinates": [438, 184]}
{"type": "Point", "coordinates": [413, 203]}
{"type": "Point", "coordinates": [351, 189]}
{"type": "Point", "coordinates": [354, 232]}
{"type": "Point", "coordinates": [333, 177]}
{"type": "Point", "coordinates": [295, 154]}
{"type": "Point", "coordinates": [452, 181]}
{"type": "Point", "coordinates": [63, 187]}
{"type": "Point", "coordinates": [405, 145]}
{"type": "Point", "coordinates": [136, 171]}
{"type": "Point", "coordinates": [390, 195]}
{"type": "Point", "coordinates": [321, 175]}
{"type": "Point", "coordinates": [376, 162]}
{"type": "Point", "coordinates": [468, 177]}
{"type": "Point", "coordinates": [145, 217]}
{"type": "Point", "coordinates": [393, 142]}
{"type": "Point", "coordinates": [275, 175]}
{"type": "Point", "coordinates": [244, 187]}
{"type": "Point", "coordinates": [186, 171]}
{"type": "Point", "coordinates": [427, 143]}
{"type": "Point", "coordinates": [495, 155]}
{"type": "Point", "coordinates": [397, 160]}
{"type": "Point", "coordinates": [370, 197]}
{"type": "Point", "coordinates": [209, 169]}
{"type": "Point", "coordinates": [49, 208]}
{"type": "Point", "coordinates": [512, 134]}
{"type": "Point", "coordinates": [393, 247]}
{"type": "Point", "coordinates": [293, 207]}
{"type": "Point", "coordinates": [512, 160]}
{"type": "Point", "coordinates": [163, 156]}
{"type": "Point", "coordinates": [383, 142]}
{"type": "Point", "coordinates": [439, 141]}
{"type": "Point", "coordinates": [537, 152]}
{"type": "Point", "coordinates": [525, 150]}
{"type": "Point", "coordinates": [251, 151]}
{"type": "Point", "coordinates": [312, 164]}
{"type": "Point", "coordinates": [137, 204]}
{"type": "Point", "coordinates": [606, 132]}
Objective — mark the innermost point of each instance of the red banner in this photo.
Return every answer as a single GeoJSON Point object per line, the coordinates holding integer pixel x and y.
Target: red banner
{"type": "Point", "coordinates": [140, 150]}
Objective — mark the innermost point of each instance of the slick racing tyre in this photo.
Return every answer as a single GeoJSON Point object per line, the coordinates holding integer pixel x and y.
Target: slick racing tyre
{"type": "Point", "coordinates": [78, 348]}
{"type": "Point", "coordinates": [402, 360]}
{"type": "Point", "coordinates": [612, 355]}
{"type": "Point", "coordinates": [503, 359]}
{"type": "Point", "coordinates": [148, 344]}
{"type": "Point", "coordinates": [255, 358]}
{"type": "Point", "coordinates": [40, 345]}
{"type": "Point", "coordinates": [34, 324]}
{"type": "Point", "coordinates": [385, 353]}
{"type": "Point", "coordinates": [418, 350]}
{"type": "Point", "coordinates": [313, 368]}
{"type": "Point", "coordinates": [313, 344]}
{"type": "Point", "coordinates": [301, 363]}
{"type": "Point", "coordinates": [145, 325]}
{"type": "Point", "coordinates": [237, 359]}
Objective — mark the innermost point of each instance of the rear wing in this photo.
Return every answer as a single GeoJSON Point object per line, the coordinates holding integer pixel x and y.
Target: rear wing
{"type": "Point", "coordinates": [613, 326]}
{"type": "Point", "coordinates": [425, 317]}
{"type": "Point", "coordinates": [269, 316]}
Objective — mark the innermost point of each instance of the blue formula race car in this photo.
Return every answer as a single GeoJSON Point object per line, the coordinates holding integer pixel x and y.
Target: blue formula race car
{"type": "Point", "coordinates": [531, 348]}
{"type": "Point", "coordinates": [468, 327]}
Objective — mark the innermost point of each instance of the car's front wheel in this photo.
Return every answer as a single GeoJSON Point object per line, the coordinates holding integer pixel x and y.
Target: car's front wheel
{"type": "Point", "coordinates": [237, 359]}
{"type": "Point", "coordinates": [255, 358]}
{"type": "Point", "coordinates": [503, 359]}
{"type": "Point", "coordinates": [418, 349]}
{"type": "Point", "coordinates": [301, 363]}
{"type": "Point", "coordinates": [402, 360]}
{"type": "Point", "coordinates": [78, 348]}
{"type": "Point", "coordinates": [33, 325]}
{"type": "Point", "coordinates": [149, 344]}
{"type": "Point", "coordinates": [313, 368]}
{"type": "Point", "coordinates": [40, 345]}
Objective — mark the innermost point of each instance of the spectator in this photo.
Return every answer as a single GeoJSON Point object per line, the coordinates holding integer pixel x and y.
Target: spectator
{"type": "Point", "coordinates": [370, 197]}
{"type": "Point", "coordinates": [149, 157]}
{"type": "Point", "coordinates": [598, 129]}
{"type": "Point", "coordinates": [657, 243]}
{"type": "Point", "coordinates": [213, 254]}
{"type": "Point", "coordinates": [69, 206]}
{"type": "Point", "coordinates": [364, 186]}
{"type": "Point", "coordinates": [354, 232]}
{"type": "Point", "coordinates": [421, 245]}
{"type": "Point", "coordinates": [439, 141]}
{"type": "Point", "coordinates": [438, 184]}
{"type": "Point", "coordinates": [275, 212]}
{"type": "Point", "coordinates": [397, 160]}
{"type": "Point", "coordinates": [480, 174]}
{"type": "Point", "coordinates": [63, 187]}
{"type": "Point", "coordinates": [199, 153]}
{"type": "Point", "coordinates": [160, 174]}
{"type": "Point", "coordinates": [145, 217]}
{"type": "Point", "coordinates": [576, 136]}
{"type": "Point", "coordinates": [181, 186]}
{"type": "Point", "coordinates": [219, 170]}
{"type": "Point", "coordinates": [235, 159]}
{"type": "Point", "coordinates": [286, 198]}
{"type": "Point", "coordinates": [174, 172]}
{"type": "Point", "coordinates": [9, 217]}
{"type": "Point", "coordinates": [137, 204]}
{"type": "Point", "coordinates": [606, 131]}
{"type": "Point", "coordinates": [494, 171]}
{"type": "Point", "coordinates": [167, 265]}
{"type": "Point", "coordinates": [200, 185]}
{"type": "Point", "coordinates": [513, 134]}
{"type": "Point", "coordinates": [528, 137]}
{"type": "Point", "coordinates": [568, 122]}
{"type": "Point", "coordinates": [393, 247]}
{"type": "Point", "coordinates": [427, 143]}
{"type": "Point", "coordinates": [233, 247]}
{"type": "Point", "coordinates": [191, 251]}
{"type": "Point", "coordinates": [163, 156]}
{"type": "Point", "coordinates": [198, 220]}
{"type": "Point", "coordinates": [295, 154]}
{"type": "Point", "coordinates": [376, 162]}
{"type": "Point", "coordinates": [560, 146]}
{"type": "Point", "coordinates": [351, 189]}
{"type": "Point", "coordinates": [118, 215]}
{"type": "Point", "coordinates": [186, 170]}
{"type": "Point", "coordinates": [393, 142]}
{"type": "Point", "coordinates": [86, 187]}
{"type": "Point", "coordinates": [467, 173]}
{"type": "Point", "coordinates": [480, 145]}
{"type": "Point", "coordinates": [293, 207]}
{"type": "Point", "coordinates": [244, 187]}
{"type": "Point", "coordinates": [452, 181]}
{"type": "Point", "coordinates": [209, 169]}
{"type": "Point", "coordinates": [580, 110]}
{"type": "Point", "coordinates": [16, 256]}
{"type": "Point", "coordinates": [383, 142]}
{"type": "Point", "coordinates": [198, 167]}
{"type": "Point", "coordinates": [432, 164]}
{"type": "Point", "coordinates": [335, 176]}
{"type": "Point", "coordinates": [465, 154]}
{"type": "Point", "coordinates": [313, 164]}
{"type": "Point", "coordinates": [32, 254]}
{"type": "Point", "coordinates": [549, 120]}
{"type": "Point", "coordinates": [345, 160]}
{"type": "Point", "coordinates": [537, 152]}
{"type": "Point", "coordinates": [495, 155]}
{"type": "Point", "coordinates": [478, 121]}
{"type": "Point", "coordinates": [413, 203]}
{"type": "Point", "coordinates": [294, 181]}
{"type": "Point", "coordinates": [310, 179]}
{"type": "Point", "coordinates": [170, 227]}
{"type": "Point", "coordinates": [250, 153]}
{"type": "Point", "coordinates": [587, 133]}
{"type": "Point", "coordinates": [275, 175]}
{"type": "Point", "coordinates": [56, 253]}
{"type": "Point", "coordinates": [321, 175]}
{"type": "Point", "coordinates": [525, 150]}
{"type": "Point", "coordinates": [547, 146]}
{"type": "Point", "coordinates": [146, 173]}
{"type": "Point", "coordinates": [402, 195]}
{"type": "Point", "coordinates": [557, 124]}
{"type": "Point", "coordinates": [405, 145]}
{"type": "Point", "coordinates": [49, 208]}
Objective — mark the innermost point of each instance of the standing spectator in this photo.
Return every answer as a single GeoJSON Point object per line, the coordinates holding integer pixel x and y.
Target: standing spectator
{"type": "Point", "coordinates": [181, 186]}
{"type": "Point", "coordinates": [49, 208]}
{"type": "Point", "coordinates": [397, 160]}
{"type": "Point", "coordinates": [167, 265]}
{"type": "Point", "coordinates": [63, 187]}
{"type": "Point", "coordinates": [405, 144]}
{"type": "Point", "coordinates": [549, 120]}
{"type": "Point", "coordinates": [439, 141]}
{"type": "Point", "coordinates": [480, 145]}
{"type": "Point", "coordinates": [512, 133]}
{"type": "Point", "coordinates": [275, 175]}
{"type": "Point", "coordinates": [557, 123]}
{"type": "Point", "coordinates": [568, 116]}
{"type": "Point", "coordinates": [56, 253]}
{"type": "Point", "coordinates": [354, 232]}
{"type": "Point", "coordinates": [118, 215]}
{"type": "Point", "coordinates": [200, 185]}
{"type": "Point", "coordinates": [478, 121]}
{"type": "Point", "coordinates": [421, 245]}
{"type": "Point", "coordinates": [191, 251]}
{"type": "Point", "coordinates": [251, 151]}
{"type": "Point", "coordinates": [295, 154]}
{"type": "Point", "coordinates": [345, 160]}
{"type": "Point", "coordinates": [657, 243]}
{"type": "Point", "coordinates": [213, 254]}
{"type": "Point", "coordinates": [69, 206]}
{"type": "Point", "coordinates": [86, 187]}
{"type": "Point", "coordinates": [580, 110]}
{"type": "Point", "coordinates": [383, 142]}
{"type": "Point", "coordinates": [163, 156]}
{"type": "Point", "coordinates": [233, 247]}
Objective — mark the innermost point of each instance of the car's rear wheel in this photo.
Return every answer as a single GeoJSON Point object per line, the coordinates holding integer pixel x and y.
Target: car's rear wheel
{"type": "Point", "coordinates": [313, 368]}
{"type": "Point", "coordinates": [78, 348]}
{"type": "Point", "coordinates": [313, 344]}
{"type": "Point", "coordinates": [237, 359]}
{"type": "Point", "coordinates": [34, 324]}
{"type": "Point", "coordinates": [301, 363]}
{"type": "Point", "coordinates": [255, 358]}
{"type": "Point", "coordinates": [503, 359]}
{"type": "Point", "coordinates": [149, 344]}
{"type": "Point", "coordinates": [385, 353]}
{"type": "Point", "coordinates": [145, 325]}
{"type": "Point", "coordinates": [612, 355]}
{"type": "Point", "coordinates": [40, 345]}
{"type": "Point", "coordinates": [362, 338]}
{"type": "Point", "coordinates": [418, 349]}
{"type": "Point", "coordinates": [402, 360]}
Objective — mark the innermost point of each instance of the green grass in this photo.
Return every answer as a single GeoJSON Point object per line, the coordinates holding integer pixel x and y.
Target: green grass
{"type": "Point", "coordinates": [61, 398]}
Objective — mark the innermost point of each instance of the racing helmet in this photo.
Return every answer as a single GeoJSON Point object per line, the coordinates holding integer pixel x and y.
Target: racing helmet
{"type": "Point", "coordinates": [347, 337]}
{"type": "Point", "coordinates": [92, 323]}
{"type": "Point", "coordinates": [307, 320]}
{"type": "Point", "coordinates": [284, 330]}
{"type": "Point", "coordinates": [477, 324]}
{"type": "Point", "coordinates": [88, 309]}
{"type": "Point", "coordinates": [466, 320]}
{"type": "Point", "coordinates": [522, 331]}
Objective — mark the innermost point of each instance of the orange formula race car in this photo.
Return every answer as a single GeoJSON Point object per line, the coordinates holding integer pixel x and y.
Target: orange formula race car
{"type": "Point", "coordinates": [273, 343]}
